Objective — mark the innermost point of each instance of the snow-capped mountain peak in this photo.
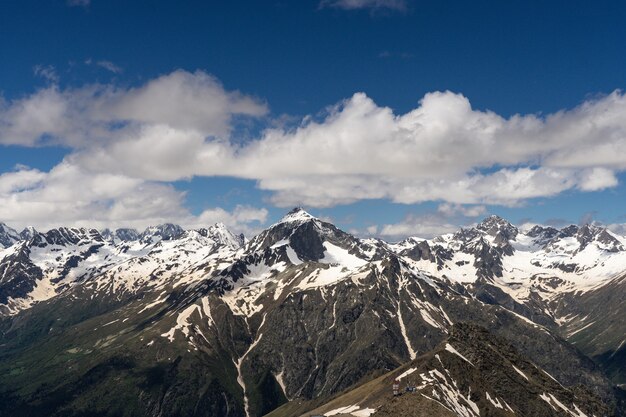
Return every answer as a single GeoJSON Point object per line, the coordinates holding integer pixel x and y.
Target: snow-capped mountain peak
{"type": "Point", "coordinates": [127, 235]}
{"type": "Point", "coordinates": [166, 231]}
{"type": "Point", "coordinates": [298, 214]}
{"type": "Point", "coordinates": [64, 236]}
{"type": "Point", "coordinates": [494, 225]}
{"type": "Point", "coordinates": [28, 233]}
{"type": "Point", "coordinates": [220, 233]}
{"type": "Point", "coordinates": [8, 236]}
{"type": "Point", "coordinates": [601, 236]}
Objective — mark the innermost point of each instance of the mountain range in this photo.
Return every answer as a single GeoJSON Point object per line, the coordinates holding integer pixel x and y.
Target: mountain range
{"type": "Point", "coordinates": [306, 319]}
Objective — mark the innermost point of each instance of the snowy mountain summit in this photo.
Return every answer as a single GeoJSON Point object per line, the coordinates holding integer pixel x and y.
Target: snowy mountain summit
{"type": "Point", "coordinates": [297, 215]}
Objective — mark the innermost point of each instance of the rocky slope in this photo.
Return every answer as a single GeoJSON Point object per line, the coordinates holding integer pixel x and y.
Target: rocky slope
{"type": "Point", "coordinates": [202, 322]}
{"type": "Point", "coordinates": [472, 373]}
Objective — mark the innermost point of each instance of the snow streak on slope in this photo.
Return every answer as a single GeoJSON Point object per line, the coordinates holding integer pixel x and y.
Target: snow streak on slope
{"type": "Point", "coordinates": [520, 372]}
{"type": "Point", "coordinates": [452, 350]}
{"type": "Point", "coordinates": [239, 362]}
{"type": "Point", "coordinates": [556, 405]}
{"type": "Point", "coordinates": [407, 341]}
{"type": "Point", "coordinates": [498, 403]}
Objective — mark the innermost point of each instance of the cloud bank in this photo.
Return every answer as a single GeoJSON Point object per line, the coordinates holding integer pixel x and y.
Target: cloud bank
{"type": "Point", "coordinates": [128, 144]}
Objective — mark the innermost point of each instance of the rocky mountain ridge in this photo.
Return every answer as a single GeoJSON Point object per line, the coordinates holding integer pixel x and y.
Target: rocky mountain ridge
{"type": "Point", "coordinates": [471, 373]}
{"type": "Point", "coordinates": [301, 311]}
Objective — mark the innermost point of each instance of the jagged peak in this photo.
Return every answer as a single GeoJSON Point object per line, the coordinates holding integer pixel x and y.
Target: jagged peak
{"type": "Point", "coordinates": [28, 233]}
{"type": "Point", "coordinates": [222, 234]}
{"type": "Point", "coordinates": [493, 220]}
{"type": "Point", "coordinates": [538, 230]}
{"type": "Point", "coordinates": [219, 226]}
{"type": "Point", "coordinates": [6, 229]}
{"type": "Point", "coordinates": [495, 224]}
{"type": "Point", "coordinates": [126, 234]}
{"type": "Point", "coordinates": [165, 231]}
{"type": "Point", "coordinates": [8, 236]}
{"type": "Point", "coordinates": [593, 228]}
{"type": "Point", "coordinates": [71, 235]}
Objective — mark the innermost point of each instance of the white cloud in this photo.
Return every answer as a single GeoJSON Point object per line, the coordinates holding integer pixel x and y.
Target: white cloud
{"type": "Point", "coordinates": [618, 228]}
{"type": "Point", "coordinates": [597, 179]}
{"type": "Point", "coordinates": [35, 119]}
{"type": "Point", "coordinates": [105, 64]}
{"type": "Point", "coordinates": [425, 226]}
{"type": "Point", "coordinates": [245, 219]}
{"type": "Point", "coordinates": [430, 224]}
{"type": "Point", "coordinates": [68, 195]}
{"type": "Point", "coordinates": [467, 211]}
{"type": "Point", "coordinates": [442, 150]}
{"type": "Point", "coordinates": [79, 117]}
{"type": "Point", "coordinates": [161, 123]}
{"type": "Point", "coordinates": [372, 230]}
{"type": "Point", "coordinates": [399, 5]}
{"type": "Point", "coordinates": [185, 101]}
{"type": "Point", "coordinates": [131, 141]}
{"type": "Point", "coordinates": [21, 180]}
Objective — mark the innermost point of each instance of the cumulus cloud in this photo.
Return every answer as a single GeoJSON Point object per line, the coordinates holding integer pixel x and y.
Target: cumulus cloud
{"type": "Point", "coordinates": [81, 116]}
{"type": "Point", "coordinates": [175, 113]}
{"type": "Point", "coordinates": [456, 209]}
{"type": "Point", "coordinates": [135, 141]}
{"type": "Point", "coordinates": [442, 150]}
{"type": "Point", "coordinates": [427, 225]}
{"type": "Point", "coordinates": [618, 228]}
{"type": "Point", "coordinates": [68, 195]}
{"type": "Point", "coordinates": [399, 5]}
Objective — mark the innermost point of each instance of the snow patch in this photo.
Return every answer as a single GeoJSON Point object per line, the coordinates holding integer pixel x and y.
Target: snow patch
{"type": "Point", "coordinates": [446, 392]}
{"type": "Point", "coordinates": [337, 255]}
{"type": "Point", "coordinates": [554, 403]}
{"type": "Point", "coordinates": [494, 401]}
{"type": "Point", "coordinates": [182, 322]}
{"type": "Point", "coordinates": [353, 410]}
{"type": "Point", "coordinates": [406, 373]}
{"type": "Point", "coordinates": [452, 350]}
{"type": "Point", "coordinates": [520, 372]}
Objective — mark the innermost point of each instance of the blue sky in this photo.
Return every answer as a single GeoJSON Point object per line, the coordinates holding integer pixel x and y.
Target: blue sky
{"type": "Point", "coordinates": [124, 113]}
